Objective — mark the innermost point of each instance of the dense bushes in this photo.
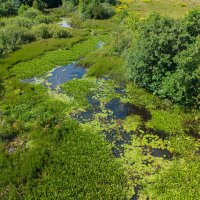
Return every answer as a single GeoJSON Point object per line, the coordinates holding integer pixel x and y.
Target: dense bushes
{"type": "Point", "coordinates": [27, 27]}
{"type": "Point", "coordinates": [98, 11]}
{"type": "Point", "coordinates": [164, 58]}
{"type": "Point", "coordinates": [44, 31]}
{"type": "Point", "coordinates": [11, 7]}
{"type": "Point", "coordinates": [7, 7]}
{"type": "Point", "coordinates": [11, 36]}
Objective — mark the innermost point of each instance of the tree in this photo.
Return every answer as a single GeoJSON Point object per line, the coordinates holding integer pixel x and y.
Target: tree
{"type": "Point", "coordinates": [165, 57]}
{"type": "Point", "coordinates": [192, 22]}
{"type": "Point", "coordinates": [38, 4]}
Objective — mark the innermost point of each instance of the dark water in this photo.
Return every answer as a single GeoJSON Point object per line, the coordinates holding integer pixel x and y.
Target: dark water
{"type": "Point", "coordinates": [63, 74]}
{"type": "Point", "coordinates": [118, 138]}
{"type": "Point", "coordinates": [122, 110]}
{"type": "Point", "coordinates": [60, 75]}
{"type": "Point", "coordinates": [161, 153]}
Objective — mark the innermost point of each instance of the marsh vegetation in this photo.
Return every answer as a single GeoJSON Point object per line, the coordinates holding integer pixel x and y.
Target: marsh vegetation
{"type": "Point", "coordinates": [106, 108]}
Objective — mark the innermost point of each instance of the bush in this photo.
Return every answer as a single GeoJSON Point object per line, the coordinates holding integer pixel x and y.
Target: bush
{"type": "Point", "coordinates": [76, 21]}
{"type": "Point", "coordinates": [192, 22]}
{"type": "Point", "coordinates": [39, 5]}
{"type": "Point", "coordinates": [59, 32]}
{"type": "Point", "coordinates": [99, 11]}
{"type": "Point", "coordinates": [184, 85]}
{"type": "Point", "coordinates": [68, 5]}
{"type": "Point", "coordinates": [42, 19]}
{"type": "Point", "coordinates": [7, 8]}
{"type": "Point", "coordinates": [42, 31]}
{"type": "Point", "coordinates": [23, 22]}
{"type": "Point", "coordinates": [11, 36]}
{"type": "Point", "coordinates": [2, 23]}
{"type": "Point", "coordinates": [31, 13]}
{"type": "Point", "coordinates": [165, 58]}
{"type": "Point", "coordinates": [22, 9]}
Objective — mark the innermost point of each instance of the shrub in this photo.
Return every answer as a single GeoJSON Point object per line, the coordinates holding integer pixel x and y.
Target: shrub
{"type": "Point", "coordinates": [11, 36]}
{"type": "Point", "coordinates": [2, 23]}
{"type": "Point", "coordinates": [31, 13]}
{"type": "Point", "coordinates": [39, 5]}
{"type": "Point", "coordinates": [42, 31]}
{"type": "Point", "coordinates": [23, 8]}
{"type": "Point", "coordinates": [59, 32]}
{"type": "Point", "coordinates": [7, 8]}
{"type": "Point", "coordinates": [165, 58]}
{"type": "Point", "coordinates": [76, 21]}
{"type": "Point", "coordinates": [99, 11]}
{"type": "Point", "coordinates": [23, 22]}
{"type": "Point", "coordinates": [42, 19]}
{"type": "Point", "coordinates": [192, 22]}
{"type": "Point", "coordinates": [68, 6]}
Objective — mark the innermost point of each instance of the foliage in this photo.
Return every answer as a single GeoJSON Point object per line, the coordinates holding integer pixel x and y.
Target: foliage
{"type": "Point", "coordinates": [31, 13]}
{"type": "Point", "coordinates": [98, 11]}
{"type": "Point", "coordinates": [158, 59]}
{"type": "Point", "coordinates": [7, 8]}
{"type": "Point", "coordinates": [29, 26]}
{"type": "Point", "coordinates": [173, 183]}
{"type": "Point", "coordinates": [192, 22]}
{"type": "Point", "coordinates": [39, 4]}
{"type": "Point", "coordinates": [59, 32]}
{"type": "Point", "coordinates": [11, 36]}
{"type": "Point", "coordinates": [42, 31]}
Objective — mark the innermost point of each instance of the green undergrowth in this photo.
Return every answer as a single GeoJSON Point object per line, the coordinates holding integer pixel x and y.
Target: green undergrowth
{"type": "Point", "coordinates": [182, 175]}
{"type": "Point", "coordinates": [75, 172]}
{"type": "Point", "coordinates": [79, 90]}
{"type": "Point", "coordinates": [100, 65]}
{"type": "Point", "coordinates": [49, 155]}
{"type": "Point", "coordinates": [98, 26]}
{"type": "Point", "coordinates": [167, 117]}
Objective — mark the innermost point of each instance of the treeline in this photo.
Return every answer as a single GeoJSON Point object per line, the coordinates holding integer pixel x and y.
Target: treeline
{"type": "Point", "coordinates": [10, 7]}
{"type": "Point", "coordinates": [98, 9]}
{"type": "Point", "coordinates": [164, 55]}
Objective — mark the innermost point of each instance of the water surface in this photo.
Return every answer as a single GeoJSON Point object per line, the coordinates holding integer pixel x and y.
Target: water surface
{"type": "Point", "coordinates": [59, 76]}
{"type": "Point", "coordinates": [65, 23]}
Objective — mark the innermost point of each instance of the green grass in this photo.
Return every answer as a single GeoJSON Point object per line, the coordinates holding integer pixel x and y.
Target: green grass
{"type": "Point", "coordinates": [173, 182]}
{"type": "Point", "coordinates": [166, 121]}
{"type": "Point", "coordinates": [103, 65]}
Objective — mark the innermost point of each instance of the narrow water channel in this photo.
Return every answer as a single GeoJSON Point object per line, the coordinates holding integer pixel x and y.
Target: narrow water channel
{"type": "Point", "coordinates": [116, 112]}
